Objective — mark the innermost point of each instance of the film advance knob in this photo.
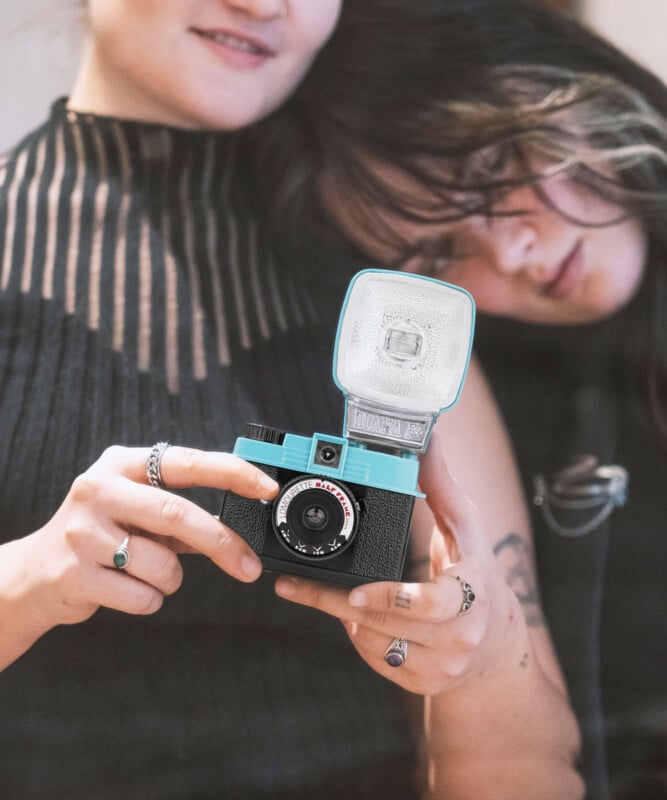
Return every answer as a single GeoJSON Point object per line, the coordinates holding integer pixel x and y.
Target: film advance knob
{"type": "Point", "coordinates": [263, 433]}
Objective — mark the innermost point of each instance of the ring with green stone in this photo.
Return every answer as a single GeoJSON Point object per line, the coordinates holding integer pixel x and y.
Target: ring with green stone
{"type": "Point", "coordinates": [121, 558]}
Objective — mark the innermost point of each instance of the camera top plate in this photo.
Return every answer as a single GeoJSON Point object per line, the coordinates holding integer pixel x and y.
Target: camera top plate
{"type": "Point", "coordinates": [354, 463]}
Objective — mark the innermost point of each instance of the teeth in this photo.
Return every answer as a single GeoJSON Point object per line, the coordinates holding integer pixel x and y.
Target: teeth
{"type": "Point", "coordinates": [233, 41]}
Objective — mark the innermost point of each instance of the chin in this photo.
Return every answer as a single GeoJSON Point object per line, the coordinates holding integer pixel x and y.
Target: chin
{"type": "Point", "coordinates": [211, 113]}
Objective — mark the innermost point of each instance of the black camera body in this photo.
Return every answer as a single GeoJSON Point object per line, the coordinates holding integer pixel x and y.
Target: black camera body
{"type": "Point", "coordinates": [329, 521]}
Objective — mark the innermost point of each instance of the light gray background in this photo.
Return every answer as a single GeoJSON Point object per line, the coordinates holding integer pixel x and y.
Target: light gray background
{"type": "Point", "coordinates": [39, 50]}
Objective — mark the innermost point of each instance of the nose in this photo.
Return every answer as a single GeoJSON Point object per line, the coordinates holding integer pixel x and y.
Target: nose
{"type": "Point", "coordinates": [260, 9]}
{"type": "Point", "coordinates": [514, 246]}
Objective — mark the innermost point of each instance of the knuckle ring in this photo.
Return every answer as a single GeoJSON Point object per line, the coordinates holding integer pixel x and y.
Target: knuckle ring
{"type": "Point", "coordinates": [153, 465]}
{"type": "Point", "coordinates": [397, 652]}
{"type": "Point", "coordinates": [121, 556]}
{"type": "Point", "coordinates": [468, 595]}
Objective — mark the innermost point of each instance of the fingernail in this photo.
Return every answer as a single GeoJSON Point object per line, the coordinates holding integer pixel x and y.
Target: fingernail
{"type": "Point", "coordinates": [358, 599]}
{"type": "Point", "coordinates": [251, 567]}
{"type": "Point", "coordinates": [285, 587]}
{"type": "Point", "coordinates": [266, 483]}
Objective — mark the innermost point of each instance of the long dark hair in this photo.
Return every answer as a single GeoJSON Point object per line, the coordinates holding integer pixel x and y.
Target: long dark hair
{"type": "Point", "coordinates": [462, 95]}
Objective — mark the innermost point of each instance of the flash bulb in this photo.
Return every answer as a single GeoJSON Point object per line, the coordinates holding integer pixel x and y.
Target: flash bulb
{"type": "Point", "coordinates": [403, 342]}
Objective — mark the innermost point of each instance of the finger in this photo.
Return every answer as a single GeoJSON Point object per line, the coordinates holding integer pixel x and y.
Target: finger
{"type": "Point", "coordinates": [415, 674]}
{"type": "Point", "coordinates": [436, 601]}
{"type": "Point", "coordinates": [152, 563]}
{"type": "Point", "coordinates": [168, 515]}
{"type": "Point", "coordinates": [121, 592]}
{"type": "Point", "coordinates": [183, 467]}
{"type": "Point", "coordinates": [323, 596]}
{"type": "Point", "coordinates": [334, 601]}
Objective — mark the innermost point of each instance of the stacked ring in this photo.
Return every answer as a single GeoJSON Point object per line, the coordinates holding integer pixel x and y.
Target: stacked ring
{"type": "Point", "coordinates": [153, 472]}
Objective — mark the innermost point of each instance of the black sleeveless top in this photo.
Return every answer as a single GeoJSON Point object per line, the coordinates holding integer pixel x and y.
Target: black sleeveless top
{"type": "Point", "coordinates": [568, 392]}
{"type": "Point", "coordinates": [140, 300]}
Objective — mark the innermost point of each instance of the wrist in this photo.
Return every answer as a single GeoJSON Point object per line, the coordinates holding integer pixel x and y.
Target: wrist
{"type": "Point", "coordinates": [26, 610]}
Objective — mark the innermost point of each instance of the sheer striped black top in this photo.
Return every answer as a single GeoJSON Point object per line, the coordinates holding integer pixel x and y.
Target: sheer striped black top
{"type": "Point", "coordinates": [141, 299]}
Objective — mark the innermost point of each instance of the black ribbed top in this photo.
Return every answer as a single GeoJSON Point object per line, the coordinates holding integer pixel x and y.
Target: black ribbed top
{"type": "Point", "coordinates": [140, 300]}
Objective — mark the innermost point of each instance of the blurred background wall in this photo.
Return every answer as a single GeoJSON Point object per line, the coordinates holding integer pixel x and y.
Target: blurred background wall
{"type": "Point", "coordinates": [39, 48]}
{"type": "Point", "coordinates": [40, 41]}
{"type": "Point", "coordinates": [640, 26]}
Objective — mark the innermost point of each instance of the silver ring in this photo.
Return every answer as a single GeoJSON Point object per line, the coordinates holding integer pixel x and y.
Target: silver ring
{"type": "Point", "coordinates": [396, 653]}
{"type": "Point", "coordinates": [468, 595]}
{"type": "Point", "coordinates": [121, 556]}
{"type": "Point", "coordinates": [153, 465]}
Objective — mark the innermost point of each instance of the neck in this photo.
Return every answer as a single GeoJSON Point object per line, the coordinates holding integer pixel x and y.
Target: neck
{"type": "Point", "coordinates": [102, 91]}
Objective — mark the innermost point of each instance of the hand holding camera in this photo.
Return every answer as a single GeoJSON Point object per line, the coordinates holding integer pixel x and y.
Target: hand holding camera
{"type": "Point", "coordinates": [462, 623]}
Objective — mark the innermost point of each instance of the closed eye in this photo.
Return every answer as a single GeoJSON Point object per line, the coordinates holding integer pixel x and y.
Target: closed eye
{"type": "Point", "coordinates": [434, 256]}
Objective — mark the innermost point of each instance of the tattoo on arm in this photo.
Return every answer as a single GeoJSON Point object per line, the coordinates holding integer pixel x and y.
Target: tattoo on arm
{"type": "Point", "coordinates": [516, 557]}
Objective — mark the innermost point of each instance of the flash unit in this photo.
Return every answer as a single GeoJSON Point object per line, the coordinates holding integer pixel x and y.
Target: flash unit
{"type": "Point", "coordinates": [402, 352]}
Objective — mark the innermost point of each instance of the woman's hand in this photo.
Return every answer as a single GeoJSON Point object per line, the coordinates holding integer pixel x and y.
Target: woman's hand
{"type": "Point", "coordinates": [448, 643]}
{"type": "Point", "coordinates": [63, 572]}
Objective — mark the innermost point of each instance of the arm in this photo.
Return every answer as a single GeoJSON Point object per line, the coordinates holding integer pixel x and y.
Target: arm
{"type": "Point", "coordinates": [517, 711]}
{"type": "Point", "coordinates": [63, 573]}
{"type": "Point", "coordinates": [498, 722]}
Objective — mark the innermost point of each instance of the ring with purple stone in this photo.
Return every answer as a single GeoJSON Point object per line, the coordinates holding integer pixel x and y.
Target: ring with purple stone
{"type": "Point", "coordinates": [396, 653]}
{"type": "Point", "coordinates": [468, 595]}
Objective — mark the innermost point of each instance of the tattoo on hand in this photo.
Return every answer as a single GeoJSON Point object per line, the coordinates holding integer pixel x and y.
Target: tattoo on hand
{"type": "Point", "coordinates": [516, 555]}
{"type": "Point", "coordinates": [402, 600]}
{"type": "Point", "coordinates": [524, 661]}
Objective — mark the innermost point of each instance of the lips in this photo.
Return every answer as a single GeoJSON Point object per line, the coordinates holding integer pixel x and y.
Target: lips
{"type": "Point", "coordinates": [567, 275]}
{"type": "Point", "coordinates": [237, 48]}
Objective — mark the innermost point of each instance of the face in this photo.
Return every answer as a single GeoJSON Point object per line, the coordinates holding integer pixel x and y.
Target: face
{"type": "Point", "coordinates": [198, 63]}
{"type": "Point", "coordinates": [535, 266]}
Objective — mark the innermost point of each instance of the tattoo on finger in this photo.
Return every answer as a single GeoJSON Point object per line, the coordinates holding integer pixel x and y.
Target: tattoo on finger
{"type": "Point", "coordinates": [402, 600]}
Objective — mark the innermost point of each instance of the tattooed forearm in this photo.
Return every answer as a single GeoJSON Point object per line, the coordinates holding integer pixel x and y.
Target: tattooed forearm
{"type": "Point", "coordinates": [515, 556]}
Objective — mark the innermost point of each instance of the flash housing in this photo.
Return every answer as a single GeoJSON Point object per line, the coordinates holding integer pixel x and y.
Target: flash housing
{"type": "Point", "coordinates": [402, 351]}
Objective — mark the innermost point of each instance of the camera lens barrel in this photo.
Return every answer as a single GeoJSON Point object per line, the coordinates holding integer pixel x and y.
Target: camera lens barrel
{"type": "Point", "coordinates": [315, 517]}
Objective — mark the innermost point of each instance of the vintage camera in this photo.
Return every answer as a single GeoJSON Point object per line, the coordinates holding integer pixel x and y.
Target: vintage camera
{"type": "Point", "coordinates": [343, 512]}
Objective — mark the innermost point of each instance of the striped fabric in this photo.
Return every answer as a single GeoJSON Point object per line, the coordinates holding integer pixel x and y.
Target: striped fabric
{"type": "Point", "coordinates": [140, 301]}
{"type": "Point", "coordinates": [136, 220]}
{"type": "Point", "coordinates": [139, 298]}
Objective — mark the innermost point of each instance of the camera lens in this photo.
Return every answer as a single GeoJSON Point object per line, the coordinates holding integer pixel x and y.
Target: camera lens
{"type": "Point", "coordinates": [315, 517]}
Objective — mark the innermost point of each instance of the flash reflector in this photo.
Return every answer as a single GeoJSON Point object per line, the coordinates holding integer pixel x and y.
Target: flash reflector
{"type": "Point", "coordinates": [402, 352]}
